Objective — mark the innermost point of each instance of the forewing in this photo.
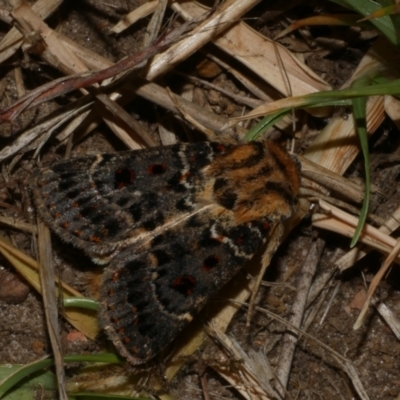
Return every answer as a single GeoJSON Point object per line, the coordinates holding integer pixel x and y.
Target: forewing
{"type": "Point", "coordinates": [149, 296]}
{"type": "Point", "coordinates": [106, 202]}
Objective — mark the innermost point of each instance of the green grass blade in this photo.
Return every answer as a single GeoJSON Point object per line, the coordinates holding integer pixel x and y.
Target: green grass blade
{"type": "Point", "coordinates": [360, 118]}
{"type": "Point", "coordinates": [381, 86]}
{"type": "Point", "coordinates": [97, 396]}
{"type": "Point", "coordinates": [80, 302]}
{"type": "Point", "coordinates": [20, 373]}
{"type": "Point", "coordinates": [366, 7]}
{"type": "Point", "coordinates": [109, 358]}
{"type": "Point", "coordinates": [266, 123]}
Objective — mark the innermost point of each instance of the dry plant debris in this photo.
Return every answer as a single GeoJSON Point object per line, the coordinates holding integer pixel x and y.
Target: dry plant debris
{"type": "Point", "coordinates": [99, 77]}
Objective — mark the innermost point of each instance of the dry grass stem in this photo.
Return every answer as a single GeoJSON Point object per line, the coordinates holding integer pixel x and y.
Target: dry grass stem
{"type": "Point", "coordinates": [17, 224]}
{"type": "Point", "coordinates": [316, 307]}
{"type": "Point", "coordinates": [331, 180]}
{"type": "Point", "coordinates": [339, 221]}
{"type": "Point", "coordinates": [345, 224]}
{"type": "Point", "coordinates": [390, 318]}
{"type": "Point", "coordinates": [47, 280]}
{"type": "Point", "coordinates": [351, 257]}
{"type": "Point", "coordinates": [156, 21]}
{"type": "Point", "coordinates": [248, 101]}
{"type": "Point", "coordinates": [30, 135]}
{"type": "Point", "coordinates": [13, 40]}
{"type": "Point", "coordinates": [337, 145]}
{"type": "Point", "coordinates": [392, 109]}
{"type": "Point", "coordinates": [273, 243]}
{"type": "Point", "coordinates": [290, 338]}
{"type": "Point", "coordinates": [134, 16]}
{"type": "Point", "coordinates": [219, 20]}
{"type": "Point", "coordinates": [208, 132]}
{"type": "Point", "coordinates": [258, 53]}
{"type": "Point", "coordinates": [210, 120]}
{"type": "Point", "coordinates": [247, 382]}
{"type": "Point", "coordinates": [46, 43]}
{"type": "Point", "coordinates": [375, 282]}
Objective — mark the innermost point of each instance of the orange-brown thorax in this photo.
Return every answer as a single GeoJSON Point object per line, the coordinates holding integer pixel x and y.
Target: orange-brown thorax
{"type": "Point", "coordinates": [254, 181]}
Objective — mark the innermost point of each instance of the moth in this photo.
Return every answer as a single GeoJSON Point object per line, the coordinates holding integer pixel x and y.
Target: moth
{"type": "Point", "coordinates": [172, 225]}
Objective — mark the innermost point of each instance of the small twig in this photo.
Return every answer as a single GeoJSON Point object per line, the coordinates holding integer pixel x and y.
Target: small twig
{"type": "Point", "coordinates": [351, 190]}
{"type": "Point", "coordinates": [248, 101]}
{"type": "Point", "coordinates": [330, 302]}
{"type": "Point", "coordinates": [203, 381]}
{"type": "Point", "coordinates": [16, 224]}
{"type": "Point", "coordinates": [120, 114]}
{"type": "Point", "coordinates": [390, 317]}
{"type": "Point", "coordinates": [47, 279]}
{"type": "Point", "coordinates": [274, 240]}
{"type": "Point", "coordinates": [298, 308]}
{"type": "Point", "coordinates": [389, 226]}
{"type": "Point", "coordinates": [154, 26]}
{"type": "Point", "coordinates": [375, 282]}
{"type": "Point", "coordinates": [339, 221]}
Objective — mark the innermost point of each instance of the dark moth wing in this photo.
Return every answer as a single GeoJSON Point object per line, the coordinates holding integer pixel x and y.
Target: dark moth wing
{"type": "Point", "coordinates": [149, 296]}
{"type": "Point", "coordinates": [174, 223]}
{"type": "Point", "coordinates": [106, 202]}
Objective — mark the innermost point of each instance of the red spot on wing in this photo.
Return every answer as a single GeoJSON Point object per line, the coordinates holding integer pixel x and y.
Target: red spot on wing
{"type": "Point", "coordinates": [124, 177]}
{"type": "Point", "coordinates": [265, 227]}
{"type": "Point", "coordinates": [210, 262]}
{"type": "Point", "coordinates": [220, 148]}
{"type": "Point", "coordinates": [184, 284]}
{"type": "Point", "coordinates": [156, 169]}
